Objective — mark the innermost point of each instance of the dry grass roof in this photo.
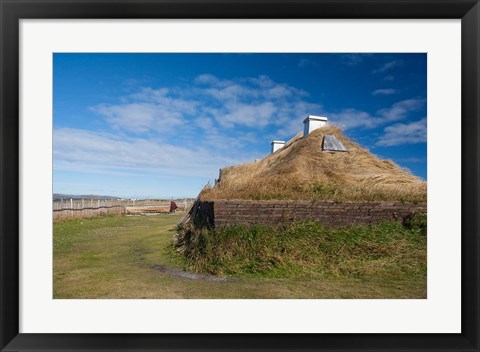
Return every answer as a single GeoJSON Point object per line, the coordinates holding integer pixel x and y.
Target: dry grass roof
{"type": "Point", "coordinates": [301, 170]}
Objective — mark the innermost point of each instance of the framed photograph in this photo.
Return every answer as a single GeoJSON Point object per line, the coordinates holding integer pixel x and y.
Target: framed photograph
{"type": "Point", "coordinates": [232, 175]}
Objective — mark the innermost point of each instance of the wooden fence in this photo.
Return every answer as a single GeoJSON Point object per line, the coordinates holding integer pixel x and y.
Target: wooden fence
{"type": "Point", "coordinates": [78, 204]}
{"type": "Point", "coordinates": [87, 208]}
{"type": "Point", "coordinates": [82, 213]}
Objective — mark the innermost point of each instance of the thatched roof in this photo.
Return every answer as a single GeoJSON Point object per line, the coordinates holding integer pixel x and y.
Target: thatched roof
{"type": "Point", "coordinates": [301, 170]}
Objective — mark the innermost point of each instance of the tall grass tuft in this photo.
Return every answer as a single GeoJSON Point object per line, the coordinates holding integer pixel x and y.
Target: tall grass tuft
{"type": "Point", "coordinates": [306, 249]}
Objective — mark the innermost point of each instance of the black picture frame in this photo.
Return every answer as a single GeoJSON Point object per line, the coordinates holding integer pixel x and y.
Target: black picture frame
{"type": "Point", "coordinates": [11, 11]}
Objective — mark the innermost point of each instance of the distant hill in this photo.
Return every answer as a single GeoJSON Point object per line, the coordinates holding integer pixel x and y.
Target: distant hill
{"type": "Point", "coordinates": [58, 196]}
{"type": "Point", "coordinates": [301, 170]}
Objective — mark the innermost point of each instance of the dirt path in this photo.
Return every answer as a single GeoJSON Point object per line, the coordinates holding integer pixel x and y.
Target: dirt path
{"type": "Point", "coordinates": [193, 276]}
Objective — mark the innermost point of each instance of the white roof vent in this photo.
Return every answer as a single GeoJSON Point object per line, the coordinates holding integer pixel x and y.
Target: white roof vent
{"type": "Point", "coordinates": [276, 145]}
{"type": "Point", "coordinates": [312, 122]}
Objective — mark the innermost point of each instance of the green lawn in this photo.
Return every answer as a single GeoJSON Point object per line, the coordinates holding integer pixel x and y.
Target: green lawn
{"type": "Point", "coordinates": [119, 257]}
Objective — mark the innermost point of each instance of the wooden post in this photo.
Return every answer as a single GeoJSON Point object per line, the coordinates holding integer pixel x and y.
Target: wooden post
{"type": "Point", "coordinates": [71, 203]}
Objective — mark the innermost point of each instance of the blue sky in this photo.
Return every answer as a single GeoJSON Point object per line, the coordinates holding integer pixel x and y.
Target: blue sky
{"type": "Point", "coordinates": [161, 125]}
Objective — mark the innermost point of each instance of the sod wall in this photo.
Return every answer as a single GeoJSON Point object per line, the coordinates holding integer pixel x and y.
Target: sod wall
{"type": "Point", "coordinates": [222, 213]}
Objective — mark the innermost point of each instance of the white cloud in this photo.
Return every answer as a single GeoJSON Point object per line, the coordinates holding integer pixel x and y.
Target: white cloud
{"type": "Point", "coordinates": [353, 118]}
{"type": "Point", "coordinates": [249, 115]}
{"type": "Point", "coordinates": [166, 98]}
{"type": "Point", "coordinates": [252, 101]}
{"type": "Point", "coordinates": [96, 152]}
{"type": "Point", "coordinates": [233, 92]}
{"type": "Point", "coordinates": [149, 110]}
{"type": "Point", "coordinates": [208, 79]}
{"type": "Point", "coordinates": [404, 133]}
{"type": "Point", "coordinates": [354, 59]}
{"type": "Point", "coordinates": [231, 145]}
{"type": "Point", "coordinates": [204, 122]}
{"type": "Point", "coordinates": [151, 95]}
{"type": "Point", "coordinates": [278, 92]}
{"type": "Point", "coordinates": [141, 117]}
{"type": "Point", "coordinates": [384, 91]}
{"type": "Point", "coordinates": [400, 110]}
{"type": "Point", "coordinates": [247, 101]}
{"type": "Point", "coordinates": [388, 66]}
{"type": "Point", "coordinates": [261, 81]}
{"type": "Point", "coordinates": [246, 89]}
{"type": "Point", "coordinates": [306, 62]}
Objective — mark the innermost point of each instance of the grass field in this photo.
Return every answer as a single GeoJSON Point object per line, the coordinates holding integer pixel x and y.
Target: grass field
{"type": "Point", "coordinates": [133, 257]}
